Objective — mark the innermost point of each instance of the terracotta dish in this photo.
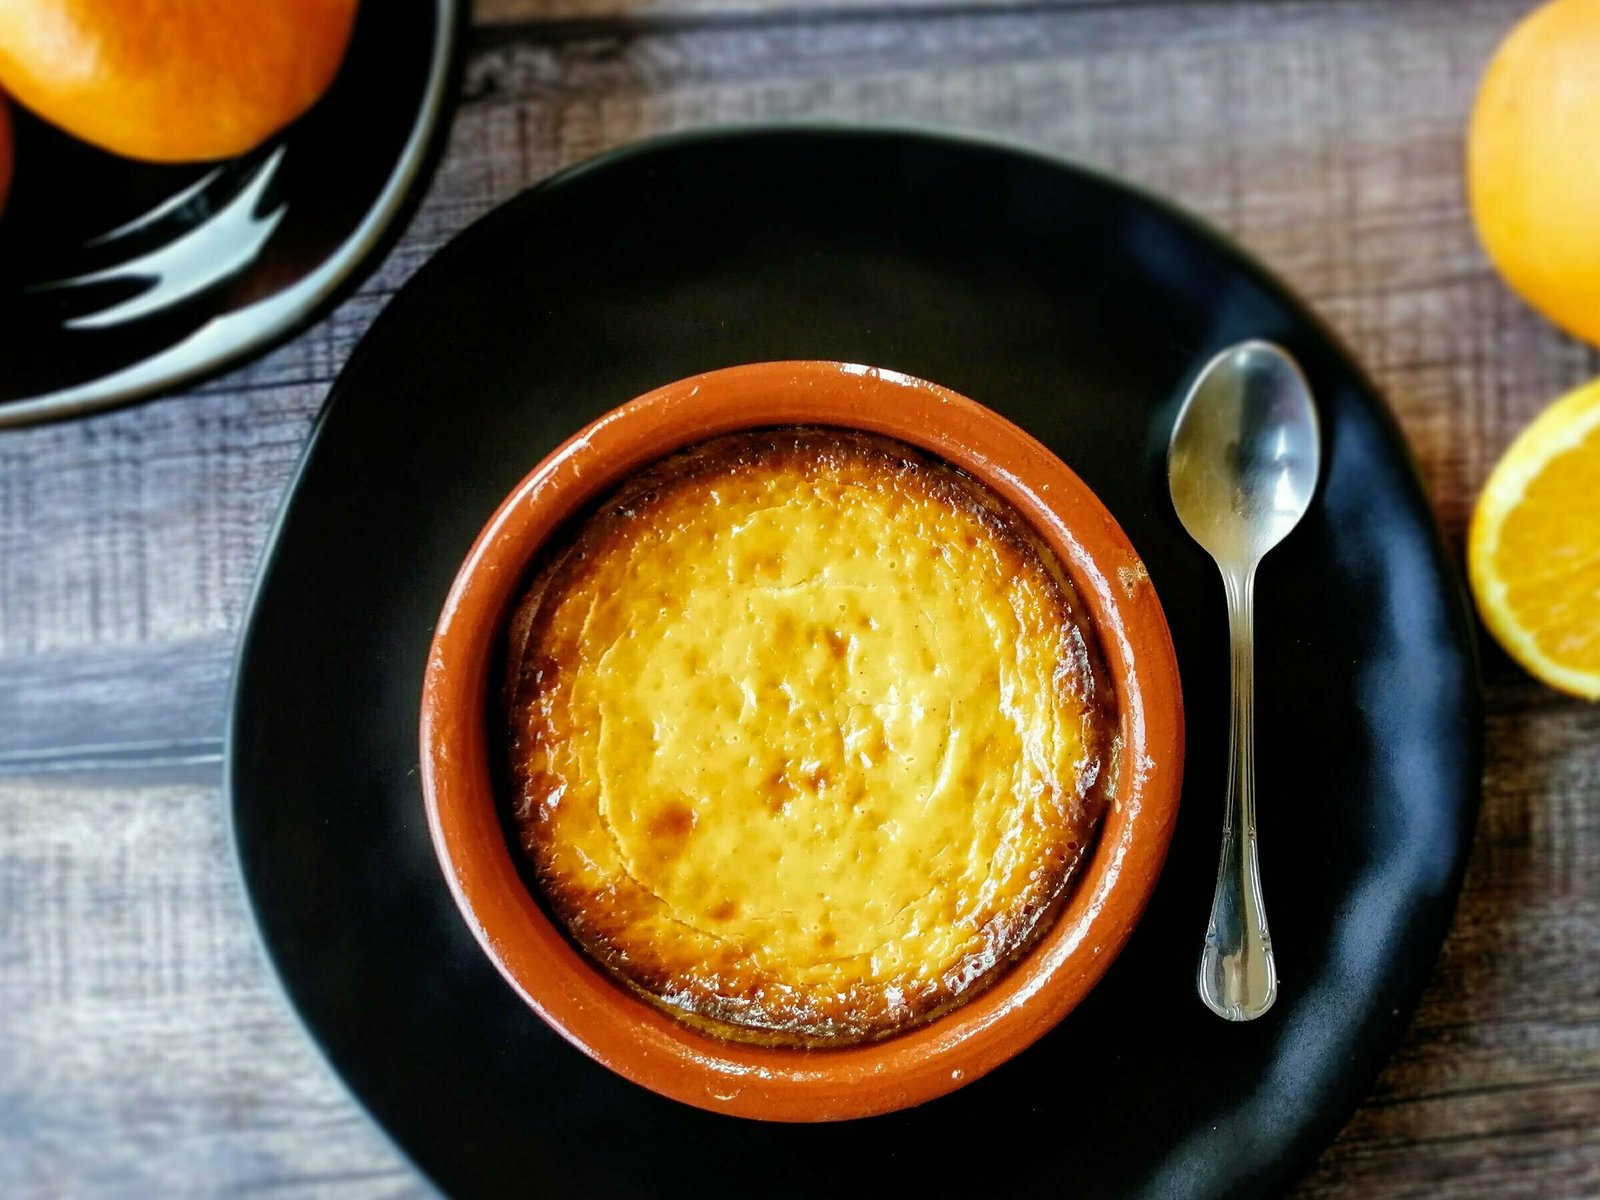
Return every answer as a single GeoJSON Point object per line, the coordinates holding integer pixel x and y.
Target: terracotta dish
{"type": "Point", "coordinates": [807, 734]}
{"type": "Point", "coordinates": [1019, 565]}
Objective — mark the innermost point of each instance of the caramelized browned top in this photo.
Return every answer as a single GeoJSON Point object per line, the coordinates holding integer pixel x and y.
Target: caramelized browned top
{"type": "Point", "coordinates": [806, 733]}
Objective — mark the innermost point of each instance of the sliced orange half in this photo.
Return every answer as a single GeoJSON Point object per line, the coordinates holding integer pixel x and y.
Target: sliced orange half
{"type": "Point", "coordinates": [1533, 553]}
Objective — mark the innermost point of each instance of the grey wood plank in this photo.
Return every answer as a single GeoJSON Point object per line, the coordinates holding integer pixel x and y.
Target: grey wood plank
{"type": "Point", "coordinates": [122, 704]}
{"type": "Point", "coordinates": [146, 1051]}
{"type": "Point", "coordinates": [142, 527]}
{"type": "Point", "coordinates": [493, 14]}
{"type": "Point", "coordinates": [1325, 134]}
{"type": "Point", "coordinates": [560, 17]}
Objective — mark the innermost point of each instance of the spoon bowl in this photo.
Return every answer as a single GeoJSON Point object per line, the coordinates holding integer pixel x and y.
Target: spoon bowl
{"type": "Point", "coordinates": [1244, 455]}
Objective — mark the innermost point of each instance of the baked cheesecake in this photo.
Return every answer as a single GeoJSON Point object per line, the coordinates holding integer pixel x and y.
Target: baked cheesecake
{"type": "Point", "coordinates": [808, 732]}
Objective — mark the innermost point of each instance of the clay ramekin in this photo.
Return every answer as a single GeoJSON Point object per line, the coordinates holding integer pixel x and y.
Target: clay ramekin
{"type": "Point", "coordinates": [598, 1015]}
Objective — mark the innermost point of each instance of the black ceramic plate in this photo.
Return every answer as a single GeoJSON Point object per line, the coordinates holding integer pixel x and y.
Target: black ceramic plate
{"type": "Point", "coordinates": [121, 279]}
{"type": "Point", "coordinates": [1064, 300]}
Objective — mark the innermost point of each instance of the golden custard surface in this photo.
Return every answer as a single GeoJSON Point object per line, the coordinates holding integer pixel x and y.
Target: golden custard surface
{"type": "Point", "coordinates": [805, 734]}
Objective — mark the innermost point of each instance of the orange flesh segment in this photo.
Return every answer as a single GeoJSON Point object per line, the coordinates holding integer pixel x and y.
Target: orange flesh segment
{"type": "Point", "coordinates": [1549, 556]}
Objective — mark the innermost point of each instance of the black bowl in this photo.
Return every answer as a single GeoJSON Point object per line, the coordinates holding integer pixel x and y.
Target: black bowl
{"type": "Point", "coordinates": [121, 279]}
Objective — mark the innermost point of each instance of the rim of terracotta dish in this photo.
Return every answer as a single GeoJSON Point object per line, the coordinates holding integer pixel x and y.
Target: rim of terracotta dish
{"type": "Point", "coordinates": [599, 1015]}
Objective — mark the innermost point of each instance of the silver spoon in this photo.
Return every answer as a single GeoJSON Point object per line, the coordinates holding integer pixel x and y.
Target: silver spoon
{"type": "Point", "coordinates": [1242, 466]}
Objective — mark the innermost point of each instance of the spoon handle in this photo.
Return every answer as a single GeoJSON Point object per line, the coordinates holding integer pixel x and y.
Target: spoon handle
{"type": "Point", "coordinates": [1238, 979]}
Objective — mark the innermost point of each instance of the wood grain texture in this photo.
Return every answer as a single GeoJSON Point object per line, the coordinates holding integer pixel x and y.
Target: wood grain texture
{"type": "Point", "coordinates": [146, 1052]}
{"type": "Point", "coordinates": [143, 1048]}
{"type": "Point", "coordinates": [554, 14]}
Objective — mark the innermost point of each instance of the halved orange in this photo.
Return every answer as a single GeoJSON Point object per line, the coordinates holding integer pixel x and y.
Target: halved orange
{"type": "Point", "coordinates": [1533, 552]}
{"type": "Point", "coordinates": [172, 80]}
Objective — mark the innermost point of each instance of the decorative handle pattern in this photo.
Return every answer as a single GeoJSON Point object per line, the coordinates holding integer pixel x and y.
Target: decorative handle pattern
{"type": "Point", "coordinates": [1238, 978]}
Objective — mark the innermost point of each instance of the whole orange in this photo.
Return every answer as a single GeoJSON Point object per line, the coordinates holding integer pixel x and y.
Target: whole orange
{"type": "Point", "coordinates": [5, 152]}
{"type": "Point", "coordinates": [1533, 163]}
{"type": "Point", "coordinates": [172, 80]}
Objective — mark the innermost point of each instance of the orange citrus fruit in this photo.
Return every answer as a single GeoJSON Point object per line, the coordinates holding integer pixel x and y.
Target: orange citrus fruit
{"type": "Point", "coordinates": [1533, 163]}
{"type": "Point", "coordinates": [1533, 553]}
{"type": "Point", "coordinates": [172, 80]}
{"type": "Point", "coordinates": [5, 153]}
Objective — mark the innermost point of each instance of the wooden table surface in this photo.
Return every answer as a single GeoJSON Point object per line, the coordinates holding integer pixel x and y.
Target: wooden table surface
{"type": "Point", "coordinates": [144, 1049]}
